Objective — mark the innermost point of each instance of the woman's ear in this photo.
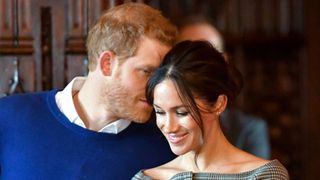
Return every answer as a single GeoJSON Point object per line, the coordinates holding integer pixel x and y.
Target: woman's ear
{"type": "Point", "coordinates": [106, 60]}
{"type": "Point", "coordinates": [221, 104]}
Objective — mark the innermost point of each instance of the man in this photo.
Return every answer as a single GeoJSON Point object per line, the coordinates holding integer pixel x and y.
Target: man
{"type": "Point", "coordinates": [247, 132]}
{"type": "Point", "coordinates": [92, 129]}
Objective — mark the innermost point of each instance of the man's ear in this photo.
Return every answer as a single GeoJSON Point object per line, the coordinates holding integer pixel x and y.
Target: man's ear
{"type": "Point", "coordinates": [106, 61]}
{"type": "Point", "coordinates": [221, 104]}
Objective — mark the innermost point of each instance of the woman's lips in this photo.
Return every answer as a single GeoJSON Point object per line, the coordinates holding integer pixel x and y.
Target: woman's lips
{"type": "Point", "coordinates": [175, 138]}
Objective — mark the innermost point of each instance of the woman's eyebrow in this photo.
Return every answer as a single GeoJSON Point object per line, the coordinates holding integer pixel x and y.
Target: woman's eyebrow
{"type": "Point", "coordinates": [175, 107]}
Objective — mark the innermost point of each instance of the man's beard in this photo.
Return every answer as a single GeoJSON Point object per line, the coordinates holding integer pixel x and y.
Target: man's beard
{"type": "Point", "coordinates": [123, 104]}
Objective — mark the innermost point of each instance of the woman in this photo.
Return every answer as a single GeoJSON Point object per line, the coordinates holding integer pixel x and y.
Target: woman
{"type": "Point", "coordinates": [189, 92]}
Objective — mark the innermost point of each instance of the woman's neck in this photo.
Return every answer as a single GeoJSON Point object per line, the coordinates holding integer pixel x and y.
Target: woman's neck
{"type": "Point", "coordinates": [214, 153]}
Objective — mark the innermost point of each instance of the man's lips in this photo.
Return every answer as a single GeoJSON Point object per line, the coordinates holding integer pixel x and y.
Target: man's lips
{"type": "Point", "coordinates": [143, 100]}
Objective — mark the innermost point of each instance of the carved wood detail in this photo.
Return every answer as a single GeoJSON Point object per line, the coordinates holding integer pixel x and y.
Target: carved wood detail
{"type": "Point", "coordinates": [7, 23]}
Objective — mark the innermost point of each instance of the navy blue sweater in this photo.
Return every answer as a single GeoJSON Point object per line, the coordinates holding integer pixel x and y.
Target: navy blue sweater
{"type": "Point", "coordinates": [38, 142]}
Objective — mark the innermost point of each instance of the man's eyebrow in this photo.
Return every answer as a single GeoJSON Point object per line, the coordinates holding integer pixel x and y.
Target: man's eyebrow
{"type": "Point", "coordinates": [151, 68]}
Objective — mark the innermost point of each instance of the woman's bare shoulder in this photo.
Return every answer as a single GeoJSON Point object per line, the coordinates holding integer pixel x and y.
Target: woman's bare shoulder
{"type": "Point", "coordinates": [165, 171]}
{"type": "Point", "coordinates": [249, 162]}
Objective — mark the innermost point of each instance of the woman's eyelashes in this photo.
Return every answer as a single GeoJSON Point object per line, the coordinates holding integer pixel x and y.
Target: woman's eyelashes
{"type": "Point", "coordinates": [179, 113]}
{"type": "Point", "coordinates": [182, 113]}
{"type": "Point", "coordinates": [158, 111]}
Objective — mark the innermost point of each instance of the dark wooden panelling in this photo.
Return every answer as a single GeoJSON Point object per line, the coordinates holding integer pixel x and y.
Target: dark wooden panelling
{"type": "Point", "coordinates": [8, 21]}
{"type": "Point", "coordinates": [46, 48]}
{"type": "Point", "coordinates": [59, 50]}
{"type": "Point", "coordinates": [75, 66]}
{"type": "Point", "coordinates": [311, 91]}
{"type": "Point", "coordinates": [18, 69]}
{"type": "Point", "coordinates": [16, 50]}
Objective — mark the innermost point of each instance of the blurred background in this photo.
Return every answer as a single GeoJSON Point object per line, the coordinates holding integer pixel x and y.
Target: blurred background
{"type": "Point", "coordinates": [275, 44]}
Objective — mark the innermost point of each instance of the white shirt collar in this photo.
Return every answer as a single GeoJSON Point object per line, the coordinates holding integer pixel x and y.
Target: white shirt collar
{"type": "Point", "coordinates": [65, 103]}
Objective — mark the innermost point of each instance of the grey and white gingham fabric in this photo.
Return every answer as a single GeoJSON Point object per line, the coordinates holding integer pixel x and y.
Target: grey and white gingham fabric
{"type": "Point", "coordinates": [273, 170]}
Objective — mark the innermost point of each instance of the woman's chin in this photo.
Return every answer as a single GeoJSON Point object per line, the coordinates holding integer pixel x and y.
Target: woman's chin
{"type": "Point", "coordinates": [179, 151]}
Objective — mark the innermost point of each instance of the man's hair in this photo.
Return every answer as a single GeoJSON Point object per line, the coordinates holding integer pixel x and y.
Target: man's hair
{"type": "Point", "coordinates": [121, 28]}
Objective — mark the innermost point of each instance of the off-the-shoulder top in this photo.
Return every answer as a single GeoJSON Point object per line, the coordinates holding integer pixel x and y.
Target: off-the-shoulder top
{"type": "Point", "coordinates": [272, 170]}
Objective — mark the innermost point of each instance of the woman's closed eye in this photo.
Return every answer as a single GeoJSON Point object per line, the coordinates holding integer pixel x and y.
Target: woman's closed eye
{"type": "Point", "coordinates": [182, 113]}
{"type": "Point", "coordinates": [160, 112]}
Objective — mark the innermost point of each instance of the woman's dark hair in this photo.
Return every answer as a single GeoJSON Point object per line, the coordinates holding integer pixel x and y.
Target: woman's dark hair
{"type": "Point", "coordinates": [197, 70]}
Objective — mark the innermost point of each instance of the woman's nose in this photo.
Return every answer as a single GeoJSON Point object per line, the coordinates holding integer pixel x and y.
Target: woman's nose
{"type": "Point", "coordinates": [170, 124]}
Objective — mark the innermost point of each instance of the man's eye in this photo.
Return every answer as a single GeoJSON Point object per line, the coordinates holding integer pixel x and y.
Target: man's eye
{"type": "Point", "coordinates": [146, 71]}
